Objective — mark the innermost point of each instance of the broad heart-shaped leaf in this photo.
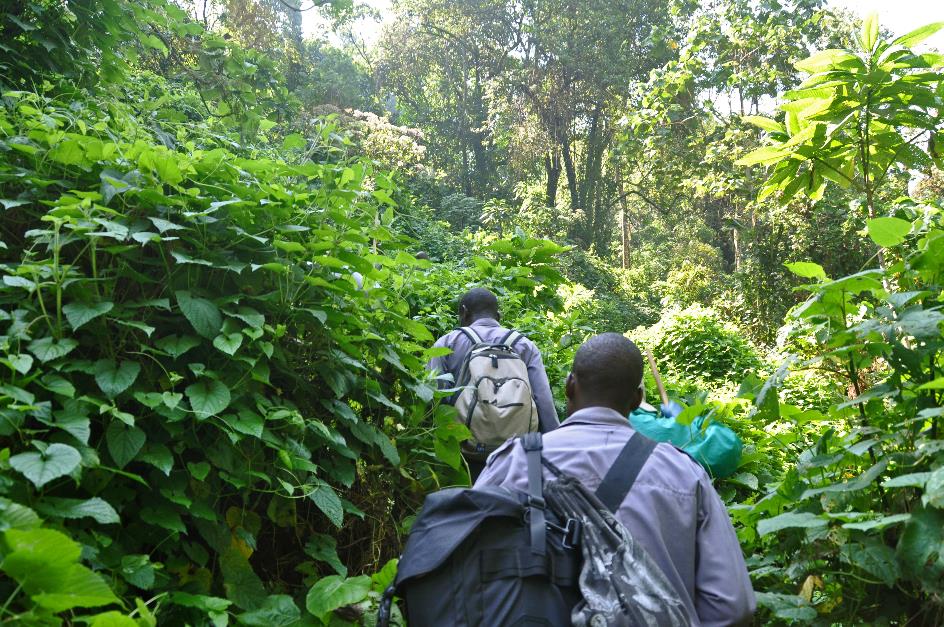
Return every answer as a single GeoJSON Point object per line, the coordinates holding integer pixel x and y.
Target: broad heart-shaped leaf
{"type": "Point", "coordinates": [123, 442]}
{"type": "Point", "coordinates": [278, 610]}
{"type": "Point", "coordinates": [201, 313]}
{"type": "Point", "coordinates": [790, 520]}
{"type": "Point", "coordinates": [330, 593]}
{"type": "Point", "coordinates": [112, 378]}
{"type": "Point", "coordinates": [175, 345]}
{"type": "Point", "coordinates": [41, 468]}
{"type": "Point", "coordinates": [208, 397]}
{"type": "Point", "coordinates": [806, 269]}
{"type": "Point", "coordinates": [79, 588]}
{"type": "Point", "coordinates": [94, 507]}
{"type": "Point", "coordinates": [228, 343]}
{"type": "Point", "coordinates": [328, 502]}
{"type": "Point", "coordinates": [887, 232]}
{"type": "Point", "coordinates": [49, 348]}
{"type": "Point", "coordinates": [138, 571]}
{"type": "Point", "coordinates": [80, 313]}
{"type": "Point", "coordinates": [21, 363]}
{"type": "Point", "coordinates": [115, 618]}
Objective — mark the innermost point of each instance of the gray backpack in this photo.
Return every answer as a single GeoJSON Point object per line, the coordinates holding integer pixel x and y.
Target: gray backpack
{"type": "Point", "coordinates": [496, 402]}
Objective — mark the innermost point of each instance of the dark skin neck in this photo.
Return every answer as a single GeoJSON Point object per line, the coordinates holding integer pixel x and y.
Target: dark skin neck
{"type": "Point", "coordinates": [578, 399]}
{"type": "Point", "coordinates": [466, 318]}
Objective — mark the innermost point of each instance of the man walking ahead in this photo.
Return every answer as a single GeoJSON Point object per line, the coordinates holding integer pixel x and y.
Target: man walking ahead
{"type": "Point", "coordinates": [492, 362]}
{"type": "Point", "coordinates": [672, 510]}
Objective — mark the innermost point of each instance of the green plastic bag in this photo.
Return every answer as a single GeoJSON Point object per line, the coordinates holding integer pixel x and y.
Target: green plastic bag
{"type": "Point", "coordinates": [716, 448]}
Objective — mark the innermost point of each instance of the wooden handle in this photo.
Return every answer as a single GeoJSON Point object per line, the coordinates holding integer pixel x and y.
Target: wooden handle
{"type": "Point", "coordinates": [658, 378]}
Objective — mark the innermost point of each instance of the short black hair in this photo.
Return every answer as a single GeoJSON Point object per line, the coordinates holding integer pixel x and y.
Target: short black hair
{"type": "Point", "coordinates": [479, 301]}
{"type": "Point", "coordinates": [608, 369]}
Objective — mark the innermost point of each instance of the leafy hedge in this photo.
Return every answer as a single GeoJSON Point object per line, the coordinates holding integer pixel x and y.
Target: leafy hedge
{"type": "Point", "coordinates": [192, 375]}
{"type": "Point", "coordinates": [696, 343]}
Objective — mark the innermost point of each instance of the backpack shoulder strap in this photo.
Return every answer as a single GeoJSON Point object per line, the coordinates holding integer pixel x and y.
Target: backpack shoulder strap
{"type": "Point", "coordinates": [470, 333]}
{"type": "Point", "coordinates": [622, 474]}
{"type": "Point", "coordinates": [511, 338]}
{"type": "Point", "coordinates": [533, 444]}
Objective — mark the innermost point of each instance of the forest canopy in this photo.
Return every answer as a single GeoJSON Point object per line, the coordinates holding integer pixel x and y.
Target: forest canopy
{"type": "Point", "coordinates": [214, 318]}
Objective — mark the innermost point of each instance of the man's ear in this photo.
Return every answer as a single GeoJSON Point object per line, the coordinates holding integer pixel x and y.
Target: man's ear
{"type": "Point", "coordinates": [570, 387]}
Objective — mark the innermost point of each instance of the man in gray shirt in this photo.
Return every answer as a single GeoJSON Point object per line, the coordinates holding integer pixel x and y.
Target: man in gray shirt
{"type": "Point", "coordinates": [478, 308]}
{"type": "Point", "coordinates": [672, 509]}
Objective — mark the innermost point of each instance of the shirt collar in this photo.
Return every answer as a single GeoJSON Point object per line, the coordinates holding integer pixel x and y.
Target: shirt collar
{"type": "Point", "coordinates": [485, 322]}
{"type": "Point", "coordinates": [597, 416]}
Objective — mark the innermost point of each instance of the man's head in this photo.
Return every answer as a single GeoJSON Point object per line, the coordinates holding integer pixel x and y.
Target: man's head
{"type": "Point", "coordinates": [475, 304]}
{"type": "Point", "coordinates": [606, 373]}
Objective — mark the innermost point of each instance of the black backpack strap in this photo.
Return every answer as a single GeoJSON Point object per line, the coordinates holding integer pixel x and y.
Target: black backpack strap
{"type": "Point", "coordinates": [511, 338]}
{"type": "Point", "coordinates": [471, 334]}
{"type": "Point", "coordinates": [532, 444]}
{"type": "Point", "coordinates": [622, 474]}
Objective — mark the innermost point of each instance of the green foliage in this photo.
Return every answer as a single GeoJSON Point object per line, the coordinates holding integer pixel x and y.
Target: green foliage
{"type": "Point", "coordinates": [166, 314]}
{"type": "Point", "coordinates": [855, 524]}
{"type": "Point", "coordinates": [697, 343]}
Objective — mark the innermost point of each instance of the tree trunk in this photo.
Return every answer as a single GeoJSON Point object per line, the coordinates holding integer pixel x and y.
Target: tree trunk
{"type": "Point", "coordinates": [552, 166]}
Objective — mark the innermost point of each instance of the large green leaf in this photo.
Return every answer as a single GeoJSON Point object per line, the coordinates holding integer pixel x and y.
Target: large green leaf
{"type": "Point", "coordinates": [869, 35]}
{"type": "Point", "coordinates": [16, 516]}
{"type": "Point", "coordinates": [806, 269]}
{"type": "Point", "coordinates": [824, 60]}
{"type": "Point", "coordinates": [789, 520]}
{"type": "Point", "coordinates": [201, 313]}
{"type": "Point", "coordinates": [208, 397]}
{"type": "Point", "coordinates": [94, 507]}
{"type": "Point", "coordinates": [873, 557]}
{"type": "Point", "coordinates": [175, 345]}
{"type": "Point", "coordinates": [324, 548]}
{"type": "Point", "coordinates": [39, 558]}
{"type": "Point", "coordinates": [328, 502]}
{"type": "Point", "coordinates": [80, 587]}
{"type": "Point", "coordinates": [229, 343]}
{"type": "Point", "coordinates": [113, 378]}
{"type": "Point", "coordinates": [123, 442]}
{"type": "Point", "coordinates": [331, 593]}
{"type": "Point", "coordinates": [887, 232]}
{"type": "Point", "coordinates": [278, 610]}
{"type": "Point", "coordinates": [918, 35]}
{"type": "Point", "coordinates": [934, 490]}
{"type": "Point", "coordinates": [920, 551]}
{"type": "Point", "coordinates": [49, 348]}
{"type": "Point", "coordinates": [42, 467]}
{"type": "Point", "coordinates": [79, 313]}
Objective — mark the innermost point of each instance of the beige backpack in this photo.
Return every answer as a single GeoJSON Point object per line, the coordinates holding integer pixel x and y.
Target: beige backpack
{"type": "Point", "coordinates": [495, 401]}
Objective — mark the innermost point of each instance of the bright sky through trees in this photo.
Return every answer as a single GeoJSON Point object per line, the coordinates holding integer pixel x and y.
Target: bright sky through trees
{"type": "Point", "coordinates": [900, 16]}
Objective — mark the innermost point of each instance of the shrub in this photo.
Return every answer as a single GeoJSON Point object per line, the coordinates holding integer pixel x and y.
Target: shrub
{"type": "Point", "coordinates": [192, 374]}
{"type": "Point", "coordinates": [696, 343]}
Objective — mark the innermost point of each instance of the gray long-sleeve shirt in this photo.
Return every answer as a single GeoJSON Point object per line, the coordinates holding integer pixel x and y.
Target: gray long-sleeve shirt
{"type": "Point", "coordinates": [490, 331]}
{"type": "Point", "coordinates": [672, 510]}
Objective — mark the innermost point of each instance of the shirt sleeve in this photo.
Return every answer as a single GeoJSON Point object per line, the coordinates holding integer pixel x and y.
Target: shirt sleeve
{"type": "Point", "coordinates": [541, 388]}
{"type": "Point", "coordinates": [723, 591]}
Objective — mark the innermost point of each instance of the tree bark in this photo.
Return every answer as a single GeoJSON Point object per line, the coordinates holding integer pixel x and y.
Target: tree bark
{"type": "Point", "coordinates": [552, 166]}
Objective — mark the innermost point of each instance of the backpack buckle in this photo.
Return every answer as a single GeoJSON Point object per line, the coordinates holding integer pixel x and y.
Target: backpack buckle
{"type": "Point", "coordinates": [572, 533]}
{"type": "Point", "coordinates": [537, 501]}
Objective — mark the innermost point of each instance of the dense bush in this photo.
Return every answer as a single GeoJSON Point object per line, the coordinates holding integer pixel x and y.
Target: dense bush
{"type": "Point", "coordinates": [193, 375]}
{"type": "Point", "coordinates": [696, 343]}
